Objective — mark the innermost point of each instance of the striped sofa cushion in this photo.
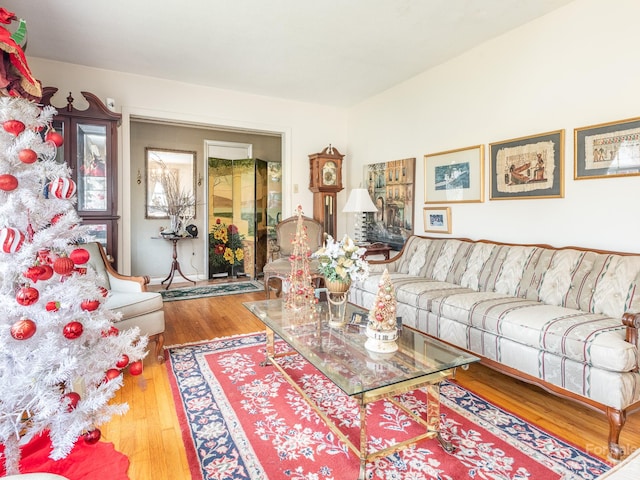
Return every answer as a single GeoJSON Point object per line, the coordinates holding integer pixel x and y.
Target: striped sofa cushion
{"type": "Point", "coordinates": [590, 338]}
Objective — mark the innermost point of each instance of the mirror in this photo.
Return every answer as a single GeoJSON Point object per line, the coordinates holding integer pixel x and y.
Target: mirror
{"type": "Point", "coordinates": [170, 183]}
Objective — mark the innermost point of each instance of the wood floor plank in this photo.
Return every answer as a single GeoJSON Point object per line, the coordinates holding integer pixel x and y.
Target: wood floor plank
{"type": "Point", "coordinates": [149, 434]}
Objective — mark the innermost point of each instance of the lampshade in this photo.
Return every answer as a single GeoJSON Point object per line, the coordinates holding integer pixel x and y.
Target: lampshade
{"type": "Point", "coordinates": [359, 201]}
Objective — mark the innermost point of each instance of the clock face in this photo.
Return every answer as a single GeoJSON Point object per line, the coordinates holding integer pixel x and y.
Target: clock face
{"type": "Point", "coordinates": [329, 174]}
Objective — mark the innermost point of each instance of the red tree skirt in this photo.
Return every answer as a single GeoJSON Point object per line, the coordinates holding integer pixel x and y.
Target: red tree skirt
{"type": "Point", "coordinates": [84, 462]}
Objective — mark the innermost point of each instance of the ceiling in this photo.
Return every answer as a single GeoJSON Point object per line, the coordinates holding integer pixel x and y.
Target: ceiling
{"type": "Point", "coordinates": [333, 52]}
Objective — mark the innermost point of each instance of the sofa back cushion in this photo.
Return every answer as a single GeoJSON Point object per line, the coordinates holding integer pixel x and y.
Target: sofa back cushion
{"type": "Point", "coordinates": [414, 250]}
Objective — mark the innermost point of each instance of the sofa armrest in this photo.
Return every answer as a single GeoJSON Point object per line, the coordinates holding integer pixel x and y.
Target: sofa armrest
{"type": "Point", "coordinates": [632, 322]}
{"type": "Point", "coordinates": [378, 266]}
{"type": "Point", "coordinates": [123, 283]}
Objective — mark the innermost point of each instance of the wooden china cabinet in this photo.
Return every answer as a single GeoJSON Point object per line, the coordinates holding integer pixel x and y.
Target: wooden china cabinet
{"type": "Point", "coordinates": [325, 182]}
{"type": "Point", "coordinates": [90, 149]}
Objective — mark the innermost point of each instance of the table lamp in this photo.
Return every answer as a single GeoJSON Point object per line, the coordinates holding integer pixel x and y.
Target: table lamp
{"type": "Point", "coordinates": [359, 202]}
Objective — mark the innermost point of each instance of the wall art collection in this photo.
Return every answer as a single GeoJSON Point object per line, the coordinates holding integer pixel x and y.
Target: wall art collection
{"type": "Point", "coordinates": [529, 167]}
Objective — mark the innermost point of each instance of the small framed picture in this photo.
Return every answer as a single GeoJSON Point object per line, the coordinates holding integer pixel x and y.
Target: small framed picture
{"type": "Point", "coordinates": [528, 167]}
{"type": "Point", "coordinates": [437, 219]}
{"type": "Point", "coordinates": [454, 176]}
{"type": "Point", "coordinates": [607, 150]}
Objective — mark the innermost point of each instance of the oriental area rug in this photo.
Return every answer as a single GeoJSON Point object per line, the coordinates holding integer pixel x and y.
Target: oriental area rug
{"type": "Point", "coordinates": [241, 420]}
{"type": "Point", "coordinates": [230, 288]}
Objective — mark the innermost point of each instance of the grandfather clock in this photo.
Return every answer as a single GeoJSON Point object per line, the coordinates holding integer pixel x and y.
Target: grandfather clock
{"type": "Point", "coordinates": [325, 182]}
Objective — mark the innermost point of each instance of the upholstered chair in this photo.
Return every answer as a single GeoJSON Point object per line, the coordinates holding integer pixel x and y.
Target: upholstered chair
{"type": "Point", "coordinates": [128, 295]}
{"type": "Point", "coordinates": [279, 266]}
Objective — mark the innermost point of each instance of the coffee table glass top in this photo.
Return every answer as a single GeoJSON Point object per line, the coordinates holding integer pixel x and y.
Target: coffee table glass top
{"type": "Point", "coordinates": [339, 353]}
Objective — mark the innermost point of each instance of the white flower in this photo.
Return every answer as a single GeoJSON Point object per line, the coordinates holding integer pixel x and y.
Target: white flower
{"type": "Point", "coordinates": [342, 260]}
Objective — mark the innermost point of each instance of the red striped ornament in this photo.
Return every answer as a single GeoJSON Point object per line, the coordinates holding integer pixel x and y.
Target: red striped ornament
{"type": "Point", "coordinates": [11, 239]}
{"type": "Point", "coordinates": [62, 187]}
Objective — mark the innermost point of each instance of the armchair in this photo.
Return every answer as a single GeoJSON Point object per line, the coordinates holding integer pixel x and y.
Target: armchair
{"type": "Point", "coordinates": [129, 296]}
{"type": "Point", "coordinates": [279, 266]}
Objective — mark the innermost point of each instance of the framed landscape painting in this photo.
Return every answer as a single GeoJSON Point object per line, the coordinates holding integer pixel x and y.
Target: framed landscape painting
{"type": "Point", "coordinates": [528, 167]}
{"type": "Point", "coordinates": [607, 150]}
{"type": "Point", "coordinates": [454, 176]}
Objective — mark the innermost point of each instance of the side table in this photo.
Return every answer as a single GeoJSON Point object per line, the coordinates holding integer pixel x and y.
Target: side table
{"type": "Point", "coordinates": [175, 265]}
{"type": "Point", "coordinates": [377, 248]}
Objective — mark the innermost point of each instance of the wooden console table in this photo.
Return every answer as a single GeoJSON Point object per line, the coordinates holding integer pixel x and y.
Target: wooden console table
{"type": "Point", "coordinates": [377, 248]}
{"type": "Point", "coordinates": [175, 265]}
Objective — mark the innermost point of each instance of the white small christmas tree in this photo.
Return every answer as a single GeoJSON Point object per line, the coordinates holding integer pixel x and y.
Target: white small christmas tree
{"type": "Point", "coordinates": [61, 358]}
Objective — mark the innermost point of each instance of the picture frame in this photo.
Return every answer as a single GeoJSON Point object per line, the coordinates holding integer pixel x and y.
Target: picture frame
{"type": "Point", "coordinates": [391, 188]}
{"type": "Point", "coordinates": [454, 176]}
{"type": "Point", "coordinates": [529, 167]}
{"type": "Point", "coordinates": [162, 162]}
{"type": "Point", "coordinates": [607, 150]}
{"type": "Point", "coordinates": [437, 219]}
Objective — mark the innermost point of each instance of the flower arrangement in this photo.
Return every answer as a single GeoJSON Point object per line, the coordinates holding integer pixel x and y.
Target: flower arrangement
{"type": "Point", "coordinates": [225, 245]}
{"type": "Point", "coordinates": [342, 261]}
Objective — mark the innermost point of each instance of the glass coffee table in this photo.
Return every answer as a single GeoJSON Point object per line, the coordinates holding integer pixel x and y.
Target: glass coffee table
{"type": "Point", "coordinates": [421, 362]}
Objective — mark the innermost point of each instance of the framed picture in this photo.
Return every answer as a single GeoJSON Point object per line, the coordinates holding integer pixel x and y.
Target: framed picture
{"type": "Point", "coordinates": [607, 150]}
{"type": "Point", "coordinates": [390, 185]}
{"type": "Point", "coordinates": [170, 182]}
{"type": "Point", "coordinates": [454, 176]}
{"type": "Point", "coordinates": [437, 219]}
{"type": "Point", "coordinates": [528, 167]}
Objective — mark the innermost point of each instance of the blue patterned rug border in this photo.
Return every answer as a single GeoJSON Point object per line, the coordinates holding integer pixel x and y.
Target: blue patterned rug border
{"type": "Point", "coordinates": [230, 288]}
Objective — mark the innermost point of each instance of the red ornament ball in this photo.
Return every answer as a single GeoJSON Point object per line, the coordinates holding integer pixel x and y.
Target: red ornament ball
{"type": "Point", "coordinates": [90, 305]}
{"type": "Point", "coordinates": [27, 296]}
{"type": "Point", "coordinates": [111, 374]}
{"type": "Point", "coordinates": [71, 399]}
{"type": "Point", "coordinates": [56, 218]}
{"type": "Point", "coordinates": [79, 256]}
{"type": "Point", "coordinates": [135, 368]}
{"type": "Point", "coordinates": [26, 155]}
{"type": "Point", "coordinates": [23, 329]}
{"type": "Point", "coordinates": [123, 362]}
{"type": "Point", "coordinates": [112, 332]}
{"type": "Point", "coordinates": [63, 266]}
{"type": "Point", "coordinates": [72, 330]}
{"type": "Point", "coordinates": [52, 306]}
{"type": "Point", "coordinates": [14, 127]}
{"type": "Point", "coordinates": [11, 239]}
{"type": "Point", "coordinates": [62, 187]}
{"type": "Point", "coordinates": [92, 436]}
{"type": "Point", "coordinates": [8, 182]}
{"type": "Point", "coordinates": [46, 272]}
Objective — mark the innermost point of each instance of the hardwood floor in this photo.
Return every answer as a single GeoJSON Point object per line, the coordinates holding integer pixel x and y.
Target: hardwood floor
{"type": "Point", "coordinates": [149, 434]}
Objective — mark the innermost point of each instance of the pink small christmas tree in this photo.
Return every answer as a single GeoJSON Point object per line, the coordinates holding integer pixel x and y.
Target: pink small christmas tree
{"type": "Point", "coordinates": [300, 295]}
{"type": "Point", "coordinates": [382, 316]}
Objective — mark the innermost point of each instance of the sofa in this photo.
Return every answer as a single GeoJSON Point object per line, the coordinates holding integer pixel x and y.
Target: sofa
{"type": "Point", "coordinates": [128, 296]}
{"type": "Point", "coordinates": [564, 318]}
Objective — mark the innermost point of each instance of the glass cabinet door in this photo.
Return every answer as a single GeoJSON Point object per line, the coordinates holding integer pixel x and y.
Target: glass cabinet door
{"type": "Point", "coordinates": [91, 167]}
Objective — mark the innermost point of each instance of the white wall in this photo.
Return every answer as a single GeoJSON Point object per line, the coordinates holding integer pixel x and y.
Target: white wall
{"type": "Point", "coordinates": [575, 67]}
{"type": "Point", "coordinates": [306, 128]}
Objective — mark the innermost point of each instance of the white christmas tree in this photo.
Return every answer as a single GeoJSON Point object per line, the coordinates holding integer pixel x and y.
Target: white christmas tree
{"type": "Point", "coordinates": [61, 358]}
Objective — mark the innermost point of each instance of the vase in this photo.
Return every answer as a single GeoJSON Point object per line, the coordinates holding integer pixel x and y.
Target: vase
{"type": "Point", "coordinates": [174, 225]}
{"type": "Point", "coordinates": [338, 293]}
